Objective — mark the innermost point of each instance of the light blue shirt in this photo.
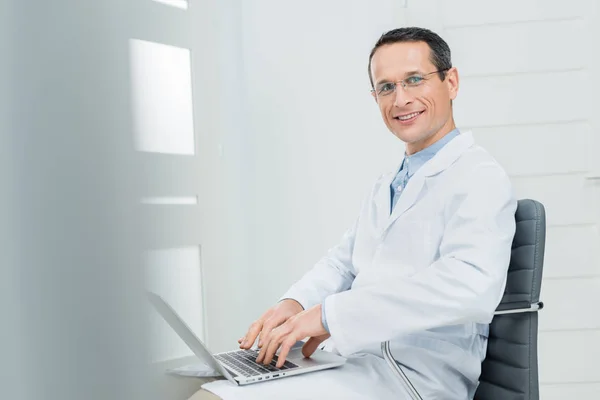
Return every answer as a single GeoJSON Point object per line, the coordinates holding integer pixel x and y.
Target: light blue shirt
{"type": "Point", "coordinates": [409, 167]}
{"type": "Point", "coordinates": [412, 163]}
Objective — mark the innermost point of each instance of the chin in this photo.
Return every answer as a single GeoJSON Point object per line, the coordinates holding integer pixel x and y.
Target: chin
{"type": "Point", "coordinates": [409, 137]}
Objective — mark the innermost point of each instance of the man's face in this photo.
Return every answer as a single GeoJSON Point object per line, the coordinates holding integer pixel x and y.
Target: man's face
{"type": "Point", "coordinates": [421, 114]}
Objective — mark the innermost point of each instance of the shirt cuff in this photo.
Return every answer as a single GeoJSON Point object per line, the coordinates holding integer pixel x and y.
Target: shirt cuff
{"type": "Point", "coordinates": [324, 318]}
{"type": "Point", "coordinates": [289, 298]}
{"type": "Point", "coordinates": [343, 342]}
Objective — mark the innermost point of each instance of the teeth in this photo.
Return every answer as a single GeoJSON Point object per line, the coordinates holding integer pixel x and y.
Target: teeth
{"type": "Point", "coordinates": [409, 116]}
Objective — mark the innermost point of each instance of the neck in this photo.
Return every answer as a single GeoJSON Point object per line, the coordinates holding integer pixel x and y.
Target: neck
{"type": "Point", "coordinates": [412, 148]}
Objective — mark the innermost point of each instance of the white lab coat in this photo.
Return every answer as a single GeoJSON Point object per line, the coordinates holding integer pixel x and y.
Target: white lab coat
{"type": "Point", "coordinates": [428, 277]}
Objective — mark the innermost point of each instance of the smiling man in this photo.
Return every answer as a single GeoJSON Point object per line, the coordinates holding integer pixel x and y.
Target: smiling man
{"type": "Point", "coordinates": [421, 113]}
{"type": "Point", "coordinates": [424, 265]}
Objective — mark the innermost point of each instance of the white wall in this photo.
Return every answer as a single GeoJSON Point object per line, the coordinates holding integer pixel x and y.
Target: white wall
{"type": "Point", "coordinates": [295, 115]}
{"type": "Point", "coordinates": [315, 142]}
{"type": "Point", "coordinates": [282, 113]}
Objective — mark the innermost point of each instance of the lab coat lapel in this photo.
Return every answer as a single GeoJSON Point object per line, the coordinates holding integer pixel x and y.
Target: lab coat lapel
{"type": "Point", "coordinates": [383, 201]}
{"type": "Point", "coordinates": [408, 197]}
{"type": "Point", "coordinates": [442, 160]}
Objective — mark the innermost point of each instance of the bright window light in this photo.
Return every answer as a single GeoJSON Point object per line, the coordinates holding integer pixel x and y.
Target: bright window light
{"type": "Point", "coordinates": [161, 81]}
{"type": "Point", "coordinates": [175, 3]}
{"type": "Point", "coordinates": [187, 200]}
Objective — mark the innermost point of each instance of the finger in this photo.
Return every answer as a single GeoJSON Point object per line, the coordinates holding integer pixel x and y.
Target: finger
{"type": "Point", "coordinates": [262, 351]}
{"type": "Point", "coordinates": [276, 339]}
{"type": "Point", "coordinates": [313, 344]}
{"type": "Point", "coordinates": [271, 323]}
{"type": "Point", "coordinates": [263, 337]}
{"type": "Point", "coordinates": [286, 346]}
{"type": "Point", "coordinates": [253, 332]}
{"type": "Point", "coordinates": [265, 347]}
{"type": "Point", "coordinates": [272, 349]}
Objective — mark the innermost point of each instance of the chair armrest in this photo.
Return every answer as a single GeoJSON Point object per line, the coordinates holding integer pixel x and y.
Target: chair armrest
{"type": "Point", "coordinates": [519, 307]}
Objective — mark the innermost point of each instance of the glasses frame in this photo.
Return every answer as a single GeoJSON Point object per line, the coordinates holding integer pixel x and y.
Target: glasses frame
{"type": "Point", "coordinates": [404, 84]}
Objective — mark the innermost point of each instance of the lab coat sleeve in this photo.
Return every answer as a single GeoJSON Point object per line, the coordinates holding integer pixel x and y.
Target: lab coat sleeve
{"type": "Point", "coordinates": [464, 285]}
{"type": "Point", "coordinates": [332, 274]}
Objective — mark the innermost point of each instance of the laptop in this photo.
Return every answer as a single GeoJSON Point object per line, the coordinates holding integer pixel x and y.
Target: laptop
{"type": "Point", "coordinates": [239, 366]}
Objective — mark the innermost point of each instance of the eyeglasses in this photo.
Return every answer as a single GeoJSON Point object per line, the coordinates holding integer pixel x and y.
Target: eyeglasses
{"type": "Point", "coordinates": [387, 88]}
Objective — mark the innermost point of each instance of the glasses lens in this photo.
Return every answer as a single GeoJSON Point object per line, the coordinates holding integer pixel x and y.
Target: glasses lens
{"type": "Point", "coordinates": [386, 89]}
{"type": "Point", "coordinates": [414, 80]}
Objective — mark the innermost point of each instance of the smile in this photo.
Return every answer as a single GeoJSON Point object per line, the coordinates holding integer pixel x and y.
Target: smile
{"type": "Point", "coordinates": [408, 117]}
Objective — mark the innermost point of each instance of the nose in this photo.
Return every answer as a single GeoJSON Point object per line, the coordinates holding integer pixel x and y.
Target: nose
{"type": "Point", "coordinates": [401, 96]}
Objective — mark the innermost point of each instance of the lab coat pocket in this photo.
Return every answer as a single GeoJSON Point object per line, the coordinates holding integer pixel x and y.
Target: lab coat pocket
{"type": "Point", "coordinates": [436, 348]}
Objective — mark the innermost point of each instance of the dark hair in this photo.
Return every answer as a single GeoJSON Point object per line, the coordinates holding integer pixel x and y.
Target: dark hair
{"type": "Point", "coordinates": [440, 51]}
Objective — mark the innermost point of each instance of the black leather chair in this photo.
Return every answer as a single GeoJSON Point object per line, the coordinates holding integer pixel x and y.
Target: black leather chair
{"type": "Point", "coordinates": [510, 369]}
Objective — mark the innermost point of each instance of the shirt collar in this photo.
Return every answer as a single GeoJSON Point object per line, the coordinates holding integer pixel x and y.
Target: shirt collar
{"type": "Point", "coordinates": [415, 161]}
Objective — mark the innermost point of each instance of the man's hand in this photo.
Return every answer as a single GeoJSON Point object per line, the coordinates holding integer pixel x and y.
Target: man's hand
{"type": "Point", "coordinates": [270, 320]}
{"type": "Point", "coordinates": [305, 324]}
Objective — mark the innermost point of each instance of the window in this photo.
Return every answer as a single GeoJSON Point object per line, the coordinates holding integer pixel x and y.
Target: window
{"type": "Point", "coordinates": [162, 98]}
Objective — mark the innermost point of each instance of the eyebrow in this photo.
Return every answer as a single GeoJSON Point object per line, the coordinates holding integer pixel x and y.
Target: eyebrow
{"type": "Point", "coordinates": [406, 75]}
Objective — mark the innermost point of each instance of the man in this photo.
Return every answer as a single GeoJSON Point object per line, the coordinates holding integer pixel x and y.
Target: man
{"type": "Point", "coordinates": [425, 264]}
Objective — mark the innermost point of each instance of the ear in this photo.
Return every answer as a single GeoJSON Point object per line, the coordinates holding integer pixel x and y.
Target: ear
{"type": "Point", "coordinates": [374, 95]}
{"type": "Point", "coordinates": [452, 81]}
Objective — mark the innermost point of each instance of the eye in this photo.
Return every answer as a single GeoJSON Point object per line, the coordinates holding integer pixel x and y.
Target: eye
{"type": "Point", "coordinates": [386, 88]}
{"type": "Point", "coordinates": [413, 80]}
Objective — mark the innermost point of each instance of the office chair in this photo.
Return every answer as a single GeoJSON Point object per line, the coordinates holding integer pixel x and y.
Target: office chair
{"type": "Point", "coordinates": [510, 369]}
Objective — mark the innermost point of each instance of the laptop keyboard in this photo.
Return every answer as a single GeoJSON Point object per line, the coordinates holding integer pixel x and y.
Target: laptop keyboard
{"type": "Point", "coordinates": [243, 362]}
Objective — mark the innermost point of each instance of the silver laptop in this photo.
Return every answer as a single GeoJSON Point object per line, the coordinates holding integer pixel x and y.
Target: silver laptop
{"type": "Point", "coordinates": [239, 366]}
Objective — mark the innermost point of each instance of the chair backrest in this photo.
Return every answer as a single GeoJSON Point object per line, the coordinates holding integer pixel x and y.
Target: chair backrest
{"type": "Point", "coordinates": [510, 369]}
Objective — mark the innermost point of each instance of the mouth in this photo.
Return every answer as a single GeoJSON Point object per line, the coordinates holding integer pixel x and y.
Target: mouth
{"type": "Point", "coordinates": [408, 118]}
